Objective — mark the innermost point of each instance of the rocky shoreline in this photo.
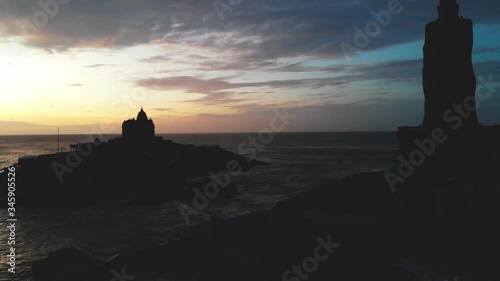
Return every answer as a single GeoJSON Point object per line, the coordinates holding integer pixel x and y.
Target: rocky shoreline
{"type": "Point", "coordinates": [115, 170]}
{"type": "Point", "coordinates": [372, 234]}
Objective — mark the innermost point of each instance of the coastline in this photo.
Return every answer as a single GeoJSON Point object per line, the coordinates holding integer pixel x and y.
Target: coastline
{"type": "Point", "coordinates": [361, 214]}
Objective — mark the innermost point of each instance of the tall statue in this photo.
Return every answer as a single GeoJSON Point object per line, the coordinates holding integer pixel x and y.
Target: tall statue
{"type": "Point", "coordinates": [448, 75]}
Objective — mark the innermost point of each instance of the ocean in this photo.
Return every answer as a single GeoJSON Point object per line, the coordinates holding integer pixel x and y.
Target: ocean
{"type": "Point", "coordinates": [298, 162]}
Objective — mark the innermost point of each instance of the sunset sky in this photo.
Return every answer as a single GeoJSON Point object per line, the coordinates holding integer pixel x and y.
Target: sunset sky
{"type": "Point", "coordinates": [87, 65]}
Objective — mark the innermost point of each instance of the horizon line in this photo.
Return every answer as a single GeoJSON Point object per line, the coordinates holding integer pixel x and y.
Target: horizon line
{"type": "Point", "coordinates": [207, 133]}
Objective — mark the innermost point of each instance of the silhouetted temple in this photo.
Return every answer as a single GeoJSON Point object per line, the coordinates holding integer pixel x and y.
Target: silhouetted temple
{"type": "Point", "coordinates": [450, 142]}
{"type": "Point", "coordinates": [138, 130]}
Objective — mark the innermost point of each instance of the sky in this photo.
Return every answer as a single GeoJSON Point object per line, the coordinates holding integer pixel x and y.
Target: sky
{"type": "Point", "coordinates": [202, 66]}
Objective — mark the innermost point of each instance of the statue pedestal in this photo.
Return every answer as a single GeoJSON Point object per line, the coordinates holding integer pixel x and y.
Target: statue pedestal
{"type": "Point", "coordinates": [472, 154]}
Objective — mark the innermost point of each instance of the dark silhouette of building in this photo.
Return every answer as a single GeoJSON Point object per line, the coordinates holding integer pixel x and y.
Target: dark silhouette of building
{"type": "Point", "coordinates": [448, 75]}
{"type": "Point", "coordinates": [140, 129]}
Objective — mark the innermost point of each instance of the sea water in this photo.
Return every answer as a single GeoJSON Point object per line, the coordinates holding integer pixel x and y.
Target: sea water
{"type": "Point", "coordinates": [298, 162]}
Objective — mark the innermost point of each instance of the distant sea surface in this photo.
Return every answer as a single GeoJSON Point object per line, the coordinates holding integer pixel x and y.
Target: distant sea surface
{"type": "Point", "coordinates": [299, 161]}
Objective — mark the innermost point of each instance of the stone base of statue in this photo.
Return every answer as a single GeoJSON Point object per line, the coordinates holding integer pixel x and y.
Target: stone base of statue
{"type": "Point", "coordinates": [472, 154]}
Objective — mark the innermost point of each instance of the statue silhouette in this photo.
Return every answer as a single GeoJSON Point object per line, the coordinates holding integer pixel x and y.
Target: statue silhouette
{"type": "Point", "coordinates": [457, 145]}
{"type": "Point", "coordinates": [448, 75]}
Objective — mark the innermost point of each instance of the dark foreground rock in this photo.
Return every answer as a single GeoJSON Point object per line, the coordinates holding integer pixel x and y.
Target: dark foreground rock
{"type": "Point", "coordinates": [353, 229]}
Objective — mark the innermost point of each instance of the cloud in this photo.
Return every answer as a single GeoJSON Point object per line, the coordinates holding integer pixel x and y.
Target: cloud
{"type": "Point", "coordinates": [269, 36]}
{"type": "Point", "coordinates": [485, 50]}
{"type": "Point", "coordinates": [217, 90]}
{"type": "Point", "coordinates": [397, 70]}
{"type": "Point", "coordinates": [295, 38]}
{"type": "Point", "coordinates": [259, 30]}
{"type": "Point", "coordinates": [155, 59]}
{"type": "Point", "coordinates": [385, 77]}
{"type": "Point", "coordinates": [98, 65]}
{"type": "Point", "coordinates": [331, 117]}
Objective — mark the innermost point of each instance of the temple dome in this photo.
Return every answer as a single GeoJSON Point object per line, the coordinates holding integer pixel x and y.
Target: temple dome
{"type": "Point", "coordinates": [142, 116]}
{"type": "Point", "coordinates": [139, 129]}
